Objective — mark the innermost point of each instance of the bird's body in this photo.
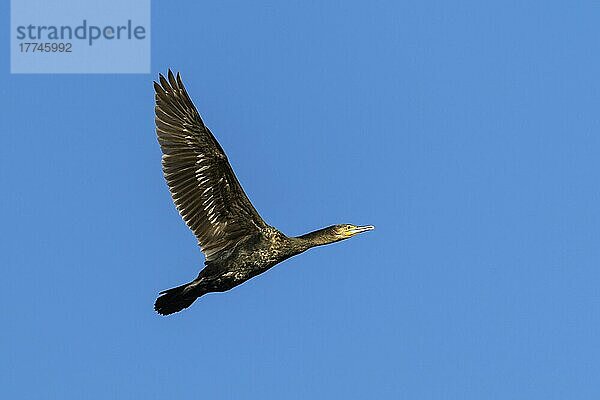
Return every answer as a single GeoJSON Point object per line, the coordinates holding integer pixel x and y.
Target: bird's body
{"type": "Point", "coordinates": [250, 258]}
{"type": "Point", "coordinates": [237, 243]}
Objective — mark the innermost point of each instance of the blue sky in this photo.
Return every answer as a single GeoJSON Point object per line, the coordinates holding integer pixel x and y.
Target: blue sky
{"type": "Point", "coordinates": [466, 132]}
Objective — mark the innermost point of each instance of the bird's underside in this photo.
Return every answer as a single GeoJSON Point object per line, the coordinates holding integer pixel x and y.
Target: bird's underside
{"type": "Point", "coordinates": [249, 259]}
{"type": "Point", "coordinates": [235, 240]}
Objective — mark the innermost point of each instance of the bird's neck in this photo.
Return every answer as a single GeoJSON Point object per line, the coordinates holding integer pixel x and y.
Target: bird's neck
{"type": "Point", "coordinates": [313, 239]}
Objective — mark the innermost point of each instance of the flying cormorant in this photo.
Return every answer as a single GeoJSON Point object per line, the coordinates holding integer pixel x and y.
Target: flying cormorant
{"type": "Point", "coordinates": [235, 240]}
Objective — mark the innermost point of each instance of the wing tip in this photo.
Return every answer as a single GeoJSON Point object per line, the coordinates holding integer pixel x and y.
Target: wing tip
{"type": "Point", "coordinates": [170, 81]}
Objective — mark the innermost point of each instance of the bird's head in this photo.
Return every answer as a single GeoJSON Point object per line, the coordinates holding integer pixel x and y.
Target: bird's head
{"type": "Point", "coordinates": [332, 234]}
{"type": "Point", "coordinates": [345, 231]}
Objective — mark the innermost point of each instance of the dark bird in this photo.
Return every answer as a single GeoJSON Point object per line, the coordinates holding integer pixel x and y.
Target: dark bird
{"type": "Point", "coordinates": [235, 240]}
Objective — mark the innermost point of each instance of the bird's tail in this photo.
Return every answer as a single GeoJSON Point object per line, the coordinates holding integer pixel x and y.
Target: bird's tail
{"type": "Point", "coordinates": [176, 299]}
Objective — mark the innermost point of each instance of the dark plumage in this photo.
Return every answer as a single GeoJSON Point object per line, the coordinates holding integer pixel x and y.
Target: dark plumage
{"type": "Point", "coordinates": [235, 240]}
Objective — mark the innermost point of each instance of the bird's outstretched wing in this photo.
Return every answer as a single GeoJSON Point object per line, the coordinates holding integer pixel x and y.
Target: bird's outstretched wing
{"type": "Point", "coordinates": [203, 186]}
